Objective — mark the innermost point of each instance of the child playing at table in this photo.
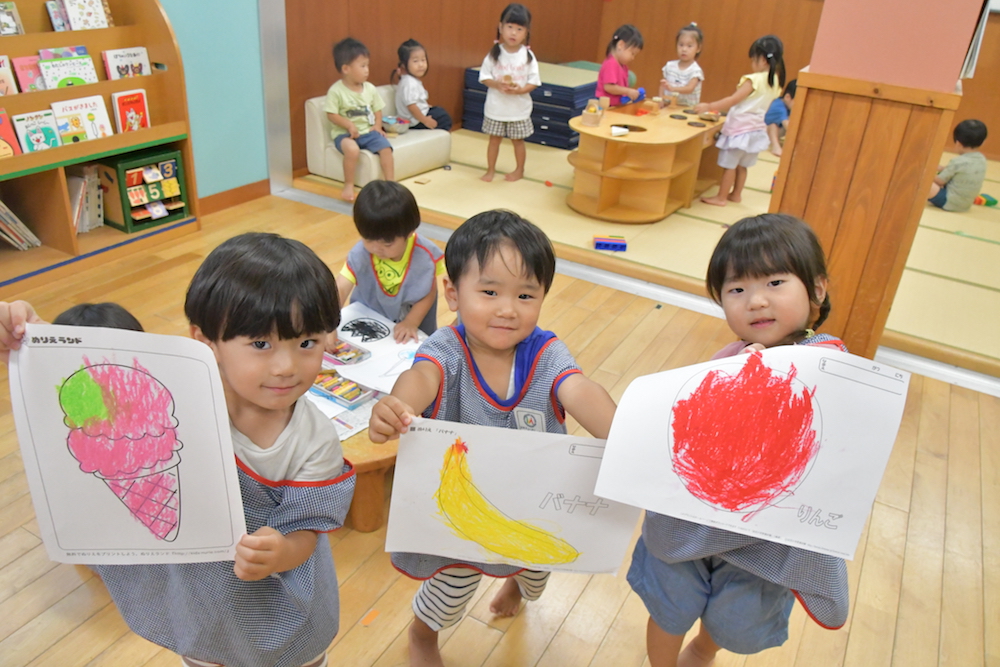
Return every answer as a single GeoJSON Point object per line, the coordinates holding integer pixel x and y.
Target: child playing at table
{"type": "Point", "coordinates": [684, 76]}
{"type": "Point", "coordinates": [612, 79]}
{"type": "Point", "coordinates": [777, 115]}
{"type": "Point", "coordinates": [411, 96]}
{"type": "Point", "coordinates": [744, 133]}
{"type": "Point", "coordinates": [769, 275]}
{"type": "Point", "coordinates": [355, 109]}
{"type": "Point", "coordinates": [392, 269]}
{"type": "Point", "coordinates": [510, 71]}
{"type": "Point", "coordinates": [263, 304]}
{"type": "Point", "coordinates": [496, 368]}
{"type": "Point", "coordinates": [957, 185]}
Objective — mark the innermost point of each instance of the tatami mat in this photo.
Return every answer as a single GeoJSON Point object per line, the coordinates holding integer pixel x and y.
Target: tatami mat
{"type": "Point", "coordinates": [949, 293]}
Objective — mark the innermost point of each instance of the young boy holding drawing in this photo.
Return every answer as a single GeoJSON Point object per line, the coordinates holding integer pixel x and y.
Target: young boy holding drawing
{"type": "Point", "coordinates": [496, 368]}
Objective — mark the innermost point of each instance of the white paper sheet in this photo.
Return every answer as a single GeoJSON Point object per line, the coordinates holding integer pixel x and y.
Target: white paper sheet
{"type": "Point", "coordinates": [516, 497]}
{"type": "Point", "coordinates": [126, 446]}
{"type": "Point", "coordinates": [364, 327]}
{"type": "Point", "coordinates": [788, 445]}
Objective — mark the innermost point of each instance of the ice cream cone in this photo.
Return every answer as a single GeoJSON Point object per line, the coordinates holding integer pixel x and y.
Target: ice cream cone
{"type": "Point", "coordinates": [154, 498]}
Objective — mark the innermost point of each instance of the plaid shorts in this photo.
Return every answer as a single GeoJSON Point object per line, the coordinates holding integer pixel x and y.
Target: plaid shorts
{"type": "Point", "coordinates": [514, 129]}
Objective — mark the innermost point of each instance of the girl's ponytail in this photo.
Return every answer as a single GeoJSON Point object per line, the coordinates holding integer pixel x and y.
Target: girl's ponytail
{"type": "Point", "coordinates": [770, 48]}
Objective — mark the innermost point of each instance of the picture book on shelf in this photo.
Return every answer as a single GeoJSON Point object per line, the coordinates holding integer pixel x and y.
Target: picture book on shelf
{"type": "Point", "coordinates": [62, 52]}
{"type": "Point", "coordinates": [8, 140]}
{"type": "Point", "coordinates": [15, 231]}
{"type": "Point", "coordinates": [124, 63]}
{"type": "Point", "coordinates": [65, 72]}
{"type": "Point", "coordinates": [29, 77]}
{"type": "Point", "coordinates": [130, 110]}
{"type": "Point", "coordinates": [86, 14]}
{"type": "Point", "coordinates": [36, 130]}
{"type": "Point", "coordinates": [57, 14]}
{"type": "Point", "coordinates": [82, 119]}
{"type": "Point", "coordinates": [10, 20]}
{"type": "Point", "coordinates": [7, 84]}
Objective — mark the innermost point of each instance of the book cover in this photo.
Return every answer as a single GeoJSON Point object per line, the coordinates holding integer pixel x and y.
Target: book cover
{"type": "Point", "coordinates": [36, 130]}
{"type": "Point", "coordinates": [124, 63]}
{"type": "Point", "coordinates": [130, 110]}
{"type": "Point", "coordinates": [57, 14]}
{"type": "Point", "coordinates": [10, 20]}
{"type": "Point", "coordinates": [86, 14]}
{"type": "Point", "coordinates": [107, 14]}
{"type": "Point", "coordinates": [82, 119]}
{"type": "Point", "coordinates": [8, 139]}
{"type": "Point", "coordinates": [65, 72]}
{"type": "Point", "coordinates": [62, 52]}
{"type": "Point", "coordinates": [7, 84]}
{"type": "Point", "coordinates": [29, 77]}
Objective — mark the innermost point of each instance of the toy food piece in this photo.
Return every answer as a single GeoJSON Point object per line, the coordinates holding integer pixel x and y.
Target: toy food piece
{"type": "Point", "coordinates": [508, 79]}
{"type": "Point", "coordinates": [618, 131]}
{"type": "Point", "coordinates": [710, 115]}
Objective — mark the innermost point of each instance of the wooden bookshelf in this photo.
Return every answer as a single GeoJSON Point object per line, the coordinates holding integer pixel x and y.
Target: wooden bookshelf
{"type": "Point", "coordinates": [34, 184]}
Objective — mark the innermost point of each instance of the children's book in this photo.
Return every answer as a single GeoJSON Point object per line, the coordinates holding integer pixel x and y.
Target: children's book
{"type": "Point", "coordinates": [65, 72]}
{"type": "Point", "coordinates": [82, 119]}
{"type": "Point", "coordinates": [130, 110]}
{"type": "Point", "coordinates": [62, 52]}
{"type": "Point", "coordinates": [37, 130]}
{"type": "Point", "coordinates": [107, 13]}
{"type": "Point", "coordinates": [86, 14]}
{"type": "Point", "coordinates": [29, 76]}
{"type": "Point", "coordinates": [8, 140]}
{"type": "Point", "coordinates": [23, 238]}
{"type": "Point", "coordinates": [10, 20]}
{"type": "Point", "coordinates": [57, 14]}
{"type": "Point", "coordinates": [7, 85]}
{"type": "Point", "coordinates": [124, 63]}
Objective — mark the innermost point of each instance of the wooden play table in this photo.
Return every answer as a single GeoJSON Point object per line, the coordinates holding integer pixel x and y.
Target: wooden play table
{"type": "Point", "coordinates": [643, 176]}
{"type": "Point", "coordinates": [371, 462]}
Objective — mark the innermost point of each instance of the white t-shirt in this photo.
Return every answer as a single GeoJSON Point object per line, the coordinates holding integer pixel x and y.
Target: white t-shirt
{"type": "Point", "coordinates": [676, 76]}
{"type": "Point", "coordinates": [410, 90]}
{"type": "Point", "coordinates": [503, 106]}
{"type": "Point", "coordinates": [308, 450]}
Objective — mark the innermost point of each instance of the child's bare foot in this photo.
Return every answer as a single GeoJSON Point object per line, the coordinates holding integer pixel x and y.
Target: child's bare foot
{"type": "Point", "coordinates": [488, 176]}
{"type": "Point", "coordinates": [717, 200]}
{"type": "Point", "coordinates": [736, 199]}
{"type": "Point", "coordinates": [776, 151]}
{"type": "Point", "coordinates": [347, 194]}
{"type": "Point", "coordinates": [424, 651]}
{"type": "Point", "coordinates": [508, 601]}
{"type": "Point", "coordinates": [692, 657]}
{"type": "Point", "coordinates": [514, 175]}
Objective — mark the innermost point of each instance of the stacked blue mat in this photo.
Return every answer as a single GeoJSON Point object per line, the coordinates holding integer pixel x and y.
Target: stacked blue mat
{"type": "Point", "coordinates": [554, 105]}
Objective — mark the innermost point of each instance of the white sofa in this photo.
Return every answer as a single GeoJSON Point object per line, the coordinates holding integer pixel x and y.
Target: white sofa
{"type": "Point", "coordinates": [414, 152]}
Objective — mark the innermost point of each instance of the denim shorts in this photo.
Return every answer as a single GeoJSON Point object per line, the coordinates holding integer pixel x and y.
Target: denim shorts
{"type": "Point", "coordinates": [741, 612]}
{"type": "Point", "coordinates": [371, 141]}
{"type": "Point", "coordinates": [941, 198]}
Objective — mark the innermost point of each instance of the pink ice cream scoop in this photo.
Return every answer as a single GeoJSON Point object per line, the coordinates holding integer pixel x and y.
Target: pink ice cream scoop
{"type": "Point", "coordinates": [123, 431]}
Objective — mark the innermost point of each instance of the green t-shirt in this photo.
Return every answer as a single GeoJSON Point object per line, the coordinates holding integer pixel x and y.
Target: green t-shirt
{"type": "Point", "coordinates": [359, 108]}
{"type": "Point", "coordinates": [964, 179]}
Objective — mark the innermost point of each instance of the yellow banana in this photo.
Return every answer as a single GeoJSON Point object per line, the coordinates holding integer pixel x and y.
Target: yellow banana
{"type": "Point", "coordinates": [477, 519]}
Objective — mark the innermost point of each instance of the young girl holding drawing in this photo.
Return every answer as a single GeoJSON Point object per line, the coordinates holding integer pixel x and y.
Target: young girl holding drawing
{"type": "Point", "coordinates": [263, 304]}
{"type": "Point", "coordinates": [411, 96]}
{"type": "Point", "coordinates": [684, 76]}
{"type": "Point", "coordinates": [510, 71]}
{"type": "Point", "coordinates": [612, 79]}
{"type": "Point", "coordinates": [744, 134]}
{"type": "Point", "coordinates": [769, 275]}
{"type": "Point", "coordinates": [496, 368]}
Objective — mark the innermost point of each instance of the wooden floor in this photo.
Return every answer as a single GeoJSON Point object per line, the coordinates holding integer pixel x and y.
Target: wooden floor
{"type": "Point", "coordinates": [925, 587]}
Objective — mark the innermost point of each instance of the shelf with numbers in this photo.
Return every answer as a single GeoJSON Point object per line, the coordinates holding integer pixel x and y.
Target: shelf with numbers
{"type": "Point", "coordinates": [33, 184]}
{"type": "Point", "coordinates": [143, 190]}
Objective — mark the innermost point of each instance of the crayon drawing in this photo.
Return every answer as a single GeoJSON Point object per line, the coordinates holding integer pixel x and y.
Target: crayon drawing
{"type": "Point", "coordinates": [123, 432]}
{"type": "Point", "coordinates": [475, 518]}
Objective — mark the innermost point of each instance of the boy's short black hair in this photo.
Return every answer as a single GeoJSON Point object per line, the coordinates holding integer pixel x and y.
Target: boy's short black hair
{"type": "Point", "coordinates": [385, 211]}
{"type": "Point", "coordinates": [256, 283]}
{"type": "Point", "coordinates": [482, 236]}
{"type": "Point", "coordinates": [346, 51]}
{"type": "Point", "coordinates": [970, 133]}
{"type": "Point", "coordinates": [790, 88]}
{"type": "Point", "coordinates": [107, 314]}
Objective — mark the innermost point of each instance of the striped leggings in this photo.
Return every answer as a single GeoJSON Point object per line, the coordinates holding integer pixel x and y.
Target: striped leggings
{"type": "Point", "coordinates": [442, 599]}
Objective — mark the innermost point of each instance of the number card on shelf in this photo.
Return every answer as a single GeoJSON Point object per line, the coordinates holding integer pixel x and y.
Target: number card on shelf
{"type": "Point", "coordinates": [137, 196]}
{"type": "Point", "coordinates": [170, 187]}
{"type": "Point", "coordinates": [168, 168]}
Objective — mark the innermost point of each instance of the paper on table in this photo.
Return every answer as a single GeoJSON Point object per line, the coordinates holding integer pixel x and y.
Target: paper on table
{"type": "Point", "coordinates": [126, 446]}
{"type": "Point", "coordinates": [505, 496]}
{"type": "Point", "coordinates": [788, 445]}
{"type": "Point", "coordinates": [363, 326]}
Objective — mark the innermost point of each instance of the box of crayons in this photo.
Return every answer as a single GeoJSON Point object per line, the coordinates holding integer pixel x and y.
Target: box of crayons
{"type": "Point", "coordinates": [345, 353]}
{"type": "Point", "coordinates": [329, 384]}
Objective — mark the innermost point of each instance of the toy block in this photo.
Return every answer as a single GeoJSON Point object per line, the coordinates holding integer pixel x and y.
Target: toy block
{"type": "Point", "coordinates": [985, 200]}
{"type": "Point", "coordinates": [615, 243]}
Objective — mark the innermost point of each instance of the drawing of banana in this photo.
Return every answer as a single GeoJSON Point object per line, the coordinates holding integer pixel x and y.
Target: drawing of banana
{"type": "Point", "coordinates": [475, 518]}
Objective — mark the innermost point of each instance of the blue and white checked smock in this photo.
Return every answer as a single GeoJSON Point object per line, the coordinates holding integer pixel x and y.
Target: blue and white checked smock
{"type": "Point", "coordinates": [818, 581]}
{"type": "Point", "coordinates": [541, 363]}
{"type": "Point", "coordinates": [202, 610]}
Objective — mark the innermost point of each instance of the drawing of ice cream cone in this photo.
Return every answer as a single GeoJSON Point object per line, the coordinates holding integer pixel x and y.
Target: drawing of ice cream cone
{"type": "Point", "coordinates": [123, 431]}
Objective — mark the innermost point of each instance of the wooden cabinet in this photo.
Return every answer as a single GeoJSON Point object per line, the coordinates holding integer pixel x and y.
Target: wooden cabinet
{"type": "Point", "coordinates": [34, 184]}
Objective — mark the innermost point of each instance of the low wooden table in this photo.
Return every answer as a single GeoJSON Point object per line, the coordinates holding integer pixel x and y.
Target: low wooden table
{"type": "Point", "coordinates": [645, 175]}
{"type": "Point", "coordinates": [370, 462]}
